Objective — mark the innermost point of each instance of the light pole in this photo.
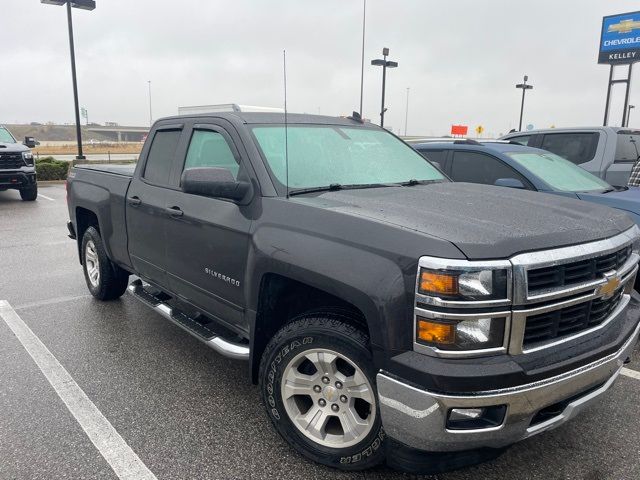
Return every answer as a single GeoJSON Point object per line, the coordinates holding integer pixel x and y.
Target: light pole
{"type": "Point", "coordinates": [364, 23]}
{"type": "Point", "coordinates": [524, 88]}
{"type": "Point", "coordinates": [629, 113]}
{"type": "Point", "coordinates": [83, 5]}
{"type": "Point", "coordinates": [384, 63]}
{"type": "Point", "coordinates": [406, 113]}
{"type": "Point", "coordinates": [150, 114]}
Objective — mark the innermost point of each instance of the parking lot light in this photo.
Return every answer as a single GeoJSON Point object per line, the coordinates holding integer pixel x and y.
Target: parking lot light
{"type": "Point", "coordinates": [83, 5]}
{"type": "Point", "coordinates": [150, 113]}
{"type": "Point", "coordinates": [384, 63]}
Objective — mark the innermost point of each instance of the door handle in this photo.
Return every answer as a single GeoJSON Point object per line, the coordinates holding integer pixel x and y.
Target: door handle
{"type": "Point", "coordinates": [174, 211]}
{"type": "Point", "coordinates": [134, 201]}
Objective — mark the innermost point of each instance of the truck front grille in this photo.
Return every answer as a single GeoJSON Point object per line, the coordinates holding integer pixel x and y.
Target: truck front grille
{"type": "Point", "coordinates": [574, 273]}
{"type": "Point", "coordinates": [11, 160]}
{"type": "Point", "coordinates": [569, 320]}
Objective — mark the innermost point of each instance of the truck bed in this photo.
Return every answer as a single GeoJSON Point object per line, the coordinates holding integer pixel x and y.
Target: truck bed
{"type": "Point", "coordinates": [102, 189]}
{"type": "Point", "coordinates": [125, 170]}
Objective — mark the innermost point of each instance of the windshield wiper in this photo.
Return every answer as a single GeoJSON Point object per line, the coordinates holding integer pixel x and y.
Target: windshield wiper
{"type": "Point", "coordinates": [413, 181]}
{"type": "Point", "coordinates": [327, 188]}
{"type": "Point", "coordinates": [615, 188]}
{"type": "Point", "coordinates": [338, 186]}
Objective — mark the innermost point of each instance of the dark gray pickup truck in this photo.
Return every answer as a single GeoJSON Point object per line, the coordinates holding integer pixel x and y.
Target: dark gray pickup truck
{"type": "Point", "coordinates": [17, 165]}
{"type": "Point", "coordinates": [384, 311]}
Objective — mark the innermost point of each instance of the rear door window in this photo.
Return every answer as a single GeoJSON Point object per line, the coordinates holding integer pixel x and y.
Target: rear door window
{"type": "Point", "coordinates": [477, 167]}
{"type": "Point", "coordinates": [577, 147]}
{"type": "Point", "coordinates": [161, 156]}
{"type": "Point", "coordinates": [628, 147]}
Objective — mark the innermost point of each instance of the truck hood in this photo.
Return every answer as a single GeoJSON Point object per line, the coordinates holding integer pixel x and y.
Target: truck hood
{"type": "Point", "coordinates": [481, 221]}
{"type": "Point", "coordinates": [12, 147]}
{"type": "Point", "coordinates": [628, 200]}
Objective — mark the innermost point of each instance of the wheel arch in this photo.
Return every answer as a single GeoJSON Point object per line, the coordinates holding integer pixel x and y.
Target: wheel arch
{"type": "Point", "coordinates": [282, 298]}
{"type": "Point", "coordinates": [85, 218]}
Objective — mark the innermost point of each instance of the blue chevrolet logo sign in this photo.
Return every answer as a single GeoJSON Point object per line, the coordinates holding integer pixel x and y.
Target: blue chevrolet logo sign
{"type": "Point", "coordinates": [620, 40]}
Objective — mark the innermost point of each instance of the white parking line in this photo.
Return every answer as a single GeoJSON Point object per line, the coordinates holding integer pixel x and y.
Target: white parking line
{"type": "Point", "coordinates": [50, 301]}
{"type": "Point", "coordinates": [122, 459]}
{"type": "Point", "coordinates": [48, 198]}
{"type": "Point", "coordinates": [627, 372]}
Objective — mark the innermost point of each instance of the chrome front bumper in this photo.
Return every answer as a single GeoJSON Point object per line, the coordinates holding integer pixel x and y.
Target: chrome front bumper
{"type": "Point", "coordinates": [418, 418]}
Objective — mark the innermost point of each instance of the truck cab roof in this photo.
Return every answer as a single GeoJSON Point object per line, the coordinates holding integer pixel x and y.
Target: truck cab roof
{"type": "Point", "coordinates": [272, 118]}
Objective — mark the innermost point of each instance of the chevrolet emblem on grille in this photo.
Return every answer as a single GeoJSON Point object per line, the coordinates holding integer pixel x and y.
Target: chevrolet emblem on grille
{"type": "Point", "coordinates": [608, 289]}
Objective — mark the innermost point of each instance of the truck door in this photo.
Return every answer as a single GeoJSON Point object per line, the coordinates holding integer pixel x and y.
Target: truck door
{"type": "Point", "coordinates": [627, 153]}
{"type": "Point", "coordinates": [146, 202]}
{"type": "Point", "coordinates": [207, 239]}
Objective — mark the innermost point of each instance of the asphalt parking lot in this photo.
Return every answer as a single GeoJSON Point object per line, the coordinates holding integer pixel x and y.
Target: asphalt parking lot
{"type": "Point", "coordinates": [184, 410]}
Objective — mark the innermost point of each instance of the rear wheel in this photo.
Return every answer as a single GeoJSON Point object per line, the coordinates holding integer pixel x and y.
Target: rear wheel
{"type": "Point", "coordinates": [318, 385]}
{"type": "Point", "coordinates": [105, 279]}
{"type": "Point", "coordinates": [29, 194]}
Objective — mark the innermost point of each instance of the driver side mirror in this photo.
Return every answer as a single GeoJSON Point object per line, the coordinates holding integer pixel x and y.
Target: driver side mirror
{"type": "Point", "coordinates": [30, 142]}
{"type": "Point", "coordinates": [214, 182]}
{"type": "Point", "coordinates": [509, 182]}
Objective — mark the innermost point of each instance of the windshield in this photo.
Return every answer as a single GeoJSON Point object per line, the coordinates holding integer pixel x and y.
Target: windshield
{"type": "Point", "coordinates": [322, 155]}
{"type": "Point", "coordinates": [5, 136]}
{"type": "Point", "coordinates": [558, 173]}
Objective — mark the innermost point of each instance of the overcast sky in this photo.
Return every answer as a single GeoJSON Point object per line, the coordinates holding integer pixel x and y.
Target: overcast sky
{"type": "Point", "coordinates": [461, 59]}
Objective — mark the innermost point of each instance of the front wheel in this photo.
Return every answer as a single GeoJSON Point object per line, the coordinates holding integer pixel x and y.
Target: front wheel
{"type": "Point", "coordinates": [318, 385]}
{"type": "Point", "coordinates": [105, 279]}
{"type": "Point", "coordinates": [29, 194]}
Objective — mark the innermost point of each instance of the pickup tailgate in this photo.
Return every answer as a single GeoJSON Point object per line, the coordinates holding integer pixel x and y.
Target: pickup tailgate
{"type": "Point", "coordinates": [97, 193]}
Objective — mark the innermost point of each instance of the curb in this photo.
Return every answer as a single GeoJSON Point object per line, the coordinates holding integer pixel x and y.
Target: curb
{"type": "Point", "coordinates": [51, 182]}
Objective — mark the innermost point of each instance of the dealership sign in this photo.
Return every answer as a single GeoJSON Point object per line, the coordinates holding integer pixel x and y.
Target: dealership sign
{"type": "Point", "coordinates": [620, 40]}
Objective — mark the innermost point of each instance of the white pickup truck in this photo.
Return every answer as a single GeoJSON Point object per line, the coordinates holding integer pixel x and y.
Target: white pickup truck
{"type": "Point", "coordinates": [607, 152]}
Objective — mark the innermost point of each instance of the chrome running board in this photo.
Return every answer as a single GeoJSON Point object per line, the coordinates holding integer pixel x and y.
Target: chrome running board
{"type": "Point", "coordinates": [201, 332]}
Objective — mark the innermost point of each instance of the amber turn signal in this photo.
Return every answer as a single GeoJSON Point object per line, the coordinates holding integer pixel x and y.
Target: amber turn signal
{"type": "Point", "coordinates": [432, 282]}
{"type": "Point", "coordinates": [433, 332]}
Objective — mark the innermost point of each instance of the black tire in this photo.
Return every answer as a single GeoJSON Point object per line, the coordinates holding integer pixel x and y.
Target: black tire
{"type": "Point", "coordinates": [29, 194]}
{"type": "Point", "coordinates": [111, 281]}
{"type": "Point", "coordinates": [335, 332]}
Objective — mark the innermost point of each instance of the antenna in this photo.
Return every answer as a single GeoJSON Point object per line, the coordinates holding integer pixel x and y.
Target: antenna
{"type": "Point", "coordinates": [286, 137]}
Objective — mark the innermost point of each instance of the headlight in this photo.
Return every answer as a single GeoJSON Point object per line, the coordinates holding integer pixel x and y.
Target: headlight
{"type": "Point", "coordinates": [463, 335]}
{"type": "Point", "coordinates": [464, 285]}
{"type": "Point", "coordinates": [27, 157]}
{"type": "Point", "coordinates": [462, 307]}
